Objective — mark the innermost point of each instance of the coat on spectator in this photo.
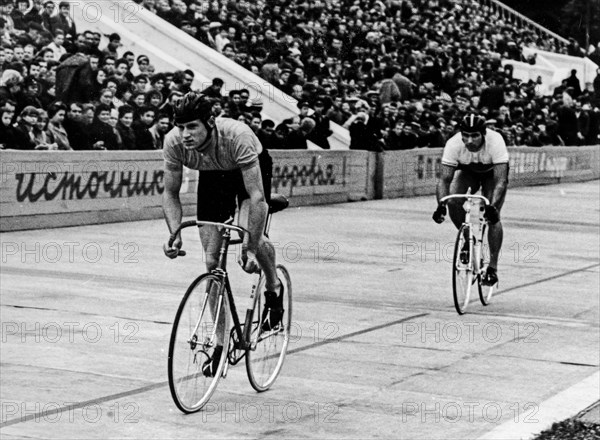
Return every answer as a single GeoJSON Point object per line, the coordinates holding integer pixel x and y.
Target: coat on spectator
{"type": "Point", "coordinates": [128, 138]}
{"type": "Point", "coordinates": [58, 134]}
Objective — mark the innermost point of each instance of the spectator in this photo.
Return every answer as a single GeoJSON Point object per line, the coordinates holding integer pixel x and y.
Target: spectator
{"type": "Point", "coordinates": [63, 21]}
{"type": "Point", "coordinates": [111, 49]}
{"type": "Point", "coordinates": [297, 138]}
{"type": "Point", "coordinates": [102, 134]}
{"type": "Point", "coordinates": [77, 133]}
{"type": "Point", "coordinates": [128, 139]}
{"type": "Point", "coordinates": [8, 135]}
{"type": "Point", "coordinates": [573, 81]}
{"type": "Point", "coordinates": [24, 129]}
{"type": "Point", "coordinates": [57, 134]}
{"type": "Point", "coordinates": [10, 86]}
{"type": "Point", "coordinates": [47, 15]}
{"type": "Point", "coordinates": [57, 45]}
{"type": "Point", "coordinates": [214, 90]}
{"type": "Point", "coordinates": [321, 131]}
{"type": "Point", "coordinates": [141, 127]}
{"type": "Point", "coordinates": [160, 128]}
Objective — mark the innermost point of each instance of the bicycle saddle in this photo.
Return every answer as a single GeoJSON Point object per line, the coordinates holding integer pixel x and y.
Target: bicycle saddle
{"type": "Point", "coordinates": [278, 203]}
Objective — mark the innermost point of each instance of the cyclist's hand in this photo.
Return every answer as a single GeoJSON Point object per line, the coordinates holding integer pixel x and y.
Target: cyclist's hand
{"type": "Point", "coordinates": [175, 250]}
{"type": "Point", "coordinates": [492, 215]}
{"type": "Point", "coordinates": [248, 261]}
{"type": "Point", "coordinates": [439, 214]}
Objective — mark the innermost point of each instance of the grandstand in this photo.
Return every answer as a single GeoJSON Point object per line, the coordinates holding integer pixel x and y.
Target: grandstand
{"type": "Point", "coordinates": [411, 68]}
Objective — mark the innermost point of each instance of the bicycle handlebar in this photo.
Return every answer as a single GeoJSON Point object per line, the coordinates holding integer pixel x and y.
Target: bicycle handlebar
{"type": "Point", "coordinates": [189, 223]}
{"type": "Point", "coordinates": [465, 196]}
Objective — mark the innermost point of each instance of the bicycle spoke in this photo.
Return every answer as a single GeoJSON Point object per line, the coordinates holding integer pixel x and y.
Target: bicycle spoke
{"type": "Point", "coordinates": [200, 326]}
{"type": "Point", "coordinates": [268, 347]}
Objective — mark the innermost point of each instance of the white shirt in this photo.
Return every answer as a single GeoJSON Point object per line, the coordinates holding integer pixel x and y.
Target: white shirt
{"type": "Point", "coordinates": [493, 152]}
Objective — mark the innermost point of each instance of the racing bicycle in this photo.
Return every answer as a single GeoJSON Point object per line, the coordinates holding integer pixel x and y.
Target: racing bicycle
{"type": "Point", "coordinates": [470, 261]}
{"type": "Point", "coordinates": [203, 323]}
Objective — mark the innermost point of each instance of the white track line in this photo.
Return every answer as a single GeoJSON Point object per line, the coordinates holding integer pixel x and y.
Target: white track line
{"type": "Point", "coordinates": [562, 406]}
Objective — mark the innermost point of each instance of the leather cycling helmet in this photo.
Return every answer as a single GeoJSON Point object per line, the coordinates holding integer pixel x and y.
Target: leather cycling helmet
{"type": "Point", "coordinates": [194, 105]}
{"type": "Point", "coordinates": [472, 123]}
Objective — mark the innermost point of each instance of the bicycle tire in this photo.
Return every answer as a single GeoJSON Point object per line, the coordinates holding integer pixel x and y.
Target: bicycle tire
{"type": "Point", "coordinates": [190, 389]}
{"type": "Point", "coordinates": [462, 273]}
{"type": "Point", "coordinates": [264, 359]}
{"type": "Point", "coordinates": [485, 292]}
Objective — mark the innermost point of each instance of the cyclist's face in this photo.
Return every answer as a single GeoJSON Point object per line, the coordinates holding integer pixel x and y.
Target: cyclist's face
{"type": "Point", "coordinates": [193, 134]}
{"type": "Point", "coordinates": [473, 141]}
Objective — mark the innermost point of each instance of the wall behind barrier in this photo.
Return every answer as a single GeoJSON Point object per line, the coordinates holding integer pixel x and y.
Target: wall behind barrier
{"type": "Point", "coordinates": [55, 189]}
{"type": "Point", "coordinates": [415, 172]}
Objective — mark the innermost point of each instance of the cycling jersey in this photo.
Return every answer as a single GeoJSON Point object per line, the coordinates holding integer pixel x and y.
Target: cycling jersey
{"type": "Point", "coordinates": [237, 147]}
{"type": "Point", "coordinates": [493, 152]}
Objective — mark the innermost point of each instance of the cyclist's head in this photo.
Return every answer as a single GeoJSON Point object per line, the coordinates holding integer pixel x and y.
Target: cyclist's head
{"type": "Point", "coordinates": [192, 106]}
{"type": "Point", "coordinates": [192, 114]}
{"type": "Point", "coordinates": [472, 128]}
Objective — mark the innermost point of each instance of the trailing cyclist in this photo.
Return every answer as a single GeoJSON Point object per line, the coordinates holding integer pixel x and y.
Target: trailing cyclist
{"type": "Point", "coordinates": [475, 157]}
{"type": "Point", "coordinates": [233, 167]}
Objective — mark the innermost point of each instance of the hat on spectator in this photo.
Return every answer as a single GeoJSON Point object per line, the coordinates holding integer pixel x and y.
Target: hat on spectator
{"type": "Point", "coordinates": [142, 57]}
{"type": "Point", "coordinates": [184, 23]}
{"type": "Point", "coordinates": [29, 111]}
{"type": "Point", "coordinates": [415, 125]}
{"type": "Point", "coordinates": [49, 2]}
{"type": "Point", "coordinates": [294, 51]}
{"type": "Point", "coordinates": [204, 22]}
{"type": "Point", "coordinates": [302, 104]}
{"type": "Point", "coordinates": [64, 5]}
{"type": "Point", "coordinates": [319, 103]}
{"type": "Point", "coordinates": [215, 24]}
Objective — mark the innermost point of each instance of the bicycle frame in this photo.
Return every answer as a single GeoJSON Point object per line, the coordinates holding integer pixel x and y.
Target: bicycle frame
{"type": "Point", "coordinates": [243, 342]}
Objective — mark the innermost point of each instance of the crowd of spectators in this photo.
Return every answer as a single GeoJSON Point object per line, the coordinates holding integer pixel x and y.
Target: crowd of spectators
{"type": "Point", "coordinates": [396, 73]}
{"type": "Point", "coordinates": [403, 69]}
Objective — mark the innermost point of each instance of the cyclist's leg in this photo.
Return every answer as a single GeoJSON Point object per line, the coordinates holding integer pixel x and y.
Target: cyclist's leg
{"type": "Point", "coordinates": [216, 203]}
{"type": "Point", "coordinates": [462, 181]}
{"type": "Point", "coordinates": [495, 232]}
{"type": "Point", "coordinates": [265, 253]}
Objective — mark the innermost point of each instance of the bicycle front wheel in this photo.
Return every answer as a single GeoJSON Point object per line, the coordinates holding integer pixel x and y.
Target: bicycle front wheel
{"type": "Point", "coordinates": [265, 356]}
{"type": "Point", "coordinates": [485, 292]}
{"type": "Point", "coordinates": [201, 325]}
{"type": "Point", "coordinates": [462, 269]}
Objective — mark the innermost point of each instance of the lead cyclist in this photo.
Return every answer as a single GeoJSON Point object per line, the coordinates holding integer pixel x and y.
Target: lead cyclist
{"type": "Point", "coordinates": [476, 157]}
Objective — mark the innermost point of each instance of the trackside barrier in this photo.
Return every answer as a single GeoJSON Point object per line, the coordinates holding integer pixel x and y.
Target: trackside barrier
{"type": "Point", "coordinates": [56, 189]}
{"type": "Point", "coordinates": [415, 172]}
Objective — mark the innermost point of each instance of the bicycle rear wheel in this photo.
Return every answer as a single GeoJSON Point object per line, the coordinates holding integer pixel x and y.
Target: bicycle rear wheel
{"type": "Point", "coordinates": [485, 292]}
{"type": "Point", "coordinates": [201, 324]}
{"type": "Point", "coordinates": [267, 352]}
{"type": "Point", "coordinates": [462, 270]}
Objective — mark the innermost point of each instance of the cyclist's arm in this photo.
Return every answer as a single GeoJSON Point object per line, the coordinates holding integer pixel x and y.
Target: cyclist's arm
{"type": "Point", "coordinates": [171, 203]}
{"type": "Point", "coordinates": [500, 183]}
{"type": "Point", "coordinates": [258, 205]}
{"type": "Point", "coordinates": [443, 187]}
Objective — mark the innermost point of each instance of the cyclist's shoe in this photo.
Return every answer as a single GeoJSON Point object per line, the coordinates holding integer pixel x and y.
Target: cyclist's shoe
{"type": "Point", "coordinates": [490, 278]}
{"type": "Point", "coordinates": [210, 367]}
{"type": "Point", "coordinates": [273, 310]}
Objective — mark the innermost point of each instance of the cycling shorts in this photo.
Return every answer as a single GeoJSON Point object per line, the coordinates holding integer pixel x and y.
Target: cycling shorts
{"type": "Point", "coordinates": [219, 192]}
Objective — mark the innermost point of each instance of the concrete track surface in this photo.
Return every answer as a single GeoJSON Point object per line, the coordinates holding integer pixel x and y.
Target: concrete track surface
{"type": "Point", "coordinates": [377, 350]}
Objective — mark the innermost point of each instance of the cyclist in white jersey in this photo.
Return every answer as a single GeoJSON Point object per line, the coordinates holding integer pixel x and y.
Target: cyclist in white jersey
{"type": "Point", "coordinates": [475, 157]}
